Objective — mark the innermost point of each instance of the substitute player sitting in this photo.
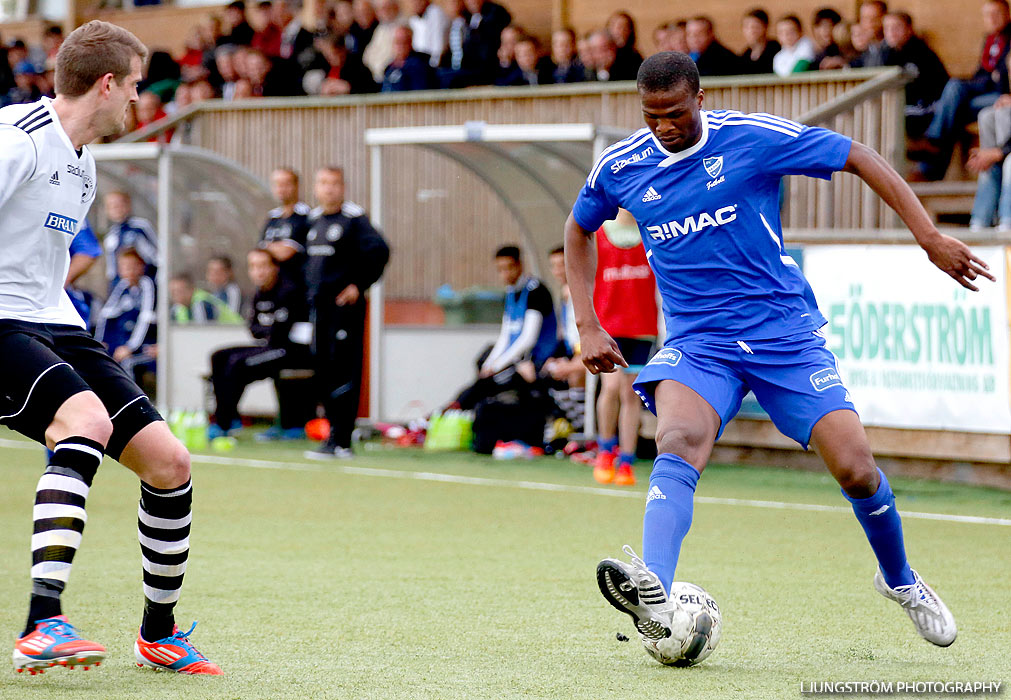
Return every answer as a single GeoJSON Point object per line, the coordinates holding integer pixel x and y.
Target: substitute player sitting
{"type": "Point", "coordinates": [59, 385]}
{"type": "Point", "coordinates": [704, 188]}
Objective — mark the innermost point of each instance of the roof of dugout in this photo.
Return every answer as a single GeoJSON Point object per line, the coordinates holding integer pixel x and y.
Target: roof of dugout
{"type": "Point", "coordinates": [201, 205]}
{"type": "Point", "coordinates": [536, 170]}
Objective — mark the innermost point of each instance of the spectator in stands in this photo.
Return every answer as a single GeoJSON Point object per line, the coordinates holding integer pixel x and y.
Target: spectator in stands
{"type": "Point", "coordinates": [191, 61]}
{"type": "Point", "coordinates": [296, 40]}
{"type": "Point", "coordinates": [711, 57]}
{"type": "Point", "coordinates": [278, 307]}
{"type": "Point", "coordinates": [798, 50]}
{"type": "Point", "coordinates": [127, 323]}
{"type": "Point", "coordinates": [606, 63]}
{"type": "Point", "coordinates": [52, 40]}
{"type": "Point", "coordinates": [961, 100]}
{"type": "Point", "coordinates": [193, 305]}
{"type": "Point", "coordinates": [485, 23]}
{"type": "Point", "coordinates": [409, 69]}
{"type": "Point", "coordinates": [267, 38]}
{"type": "Point", "coordinates": [991, 162]}
{"type": "Point", "coordinates": [379, 52]}
{"type": "Point", "coordinates": [227, 76]}
{"type": "Point", "coordinates": [565, 65]}
{"type": "Point", "coordinates": [220, 280]}
{"type": "Point", "coordinates": [672, 36]}
{"type": "Point", "coordinates": [149, 110]}
{"type": "Point", "coordinates": [757, 57]}
{"type": "Point", "coordinates": [587, 57]}
{"type": "Point", "coordinates": [430, 25]}
{"type": "Point", "coordinates": [26, 87]}
{"type": "Point", "coordinates": [827, 55]}
{"type": "Point", "coordinates": [872, 15]}
{"type": "Point", "coordinates": [364, 26]}
{"type": "Point", "coordinates": [162, 75]}
{"type": "Point", "coordinates": [264, 79]}
{"type": "Point", "coordinates": [451, 73]}
{"type": "Point", "coordinates": [127, 231]}
{"type": "Point", "coordinates": [237, 29]}
{"type": "Point", "coordinates": [621, 27]}
{"type": "Point", "coordinates": [284, 233]}
{"type": "Point", "coordinates": [506, 53]}
{"type": "Point", "coordinates": [530, 68]}
{"type": "Point", "coordinates": [337, 71]}
{"type": "Point", "coordinates": [911, 52]}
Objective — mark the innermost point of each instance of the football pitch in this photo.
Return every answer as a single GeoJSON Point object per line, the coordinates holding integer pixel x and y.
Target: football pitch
{"type": "Point", "coordinates": [412, 575]}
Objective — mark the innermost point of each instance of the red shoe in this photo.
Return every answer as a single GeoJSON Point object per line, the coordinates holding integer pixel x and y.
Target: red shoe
{"type": "Point", "coordinates": [603, 468]}
{"type": "Point", "coordinates": [174, 653]}
{"type": "Point", "coordinates": [625, 476]}
{"type": "Point", "coordinates": [55, 642]}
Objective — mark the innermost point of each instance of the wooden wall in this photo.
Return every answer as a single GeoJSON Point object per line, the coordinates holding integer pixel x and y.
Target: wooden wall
{"type": "Point", "coordinates": [951, 27]}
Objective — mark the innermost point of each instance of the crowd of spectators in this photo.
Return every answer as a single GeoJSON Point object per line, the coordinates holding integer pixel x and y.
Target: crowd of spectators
{"type": "Point", "coordinates": [359, 46]}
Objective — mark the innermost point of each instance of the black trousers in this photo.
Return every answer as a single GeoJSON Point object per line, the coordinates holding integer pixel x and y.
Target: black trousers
{"type": "Point", "coordinates": [338, 349]}
{"type": "Point", "coordinates": [233, 369]}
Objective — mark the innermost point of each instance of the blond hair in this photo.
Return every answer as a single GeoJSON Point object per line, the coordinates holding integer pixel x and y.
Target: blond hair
{"type": "Point", "coordinates": [92, 50]}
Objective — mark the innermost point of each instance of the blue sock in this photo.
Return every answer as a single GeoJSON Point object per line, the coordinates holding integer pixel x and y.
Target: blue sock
{"type": "Point", "coordinates": [625, 458]}
{"type": "Point", "coordinates": [883, 527]}
{"type": "Point", "coordinates": [607, 444]}
{"type": "Point", "coordinates": [668, 514]}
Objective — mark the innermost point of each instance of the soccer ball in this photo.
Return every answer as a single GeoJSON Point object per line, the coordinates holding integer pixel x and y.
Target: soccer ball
{"type": "Point", "coordinates": [696, 625]}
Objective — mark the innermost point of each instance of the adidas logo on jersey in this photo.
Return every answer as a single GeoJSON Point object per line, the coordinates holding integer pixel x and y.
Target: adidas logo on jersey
{"type": "Point", "coordinates": [651, 195]}
{"type": "Point", "coordinates": [655, 494]}
{"type": "Point", "coordinates": [55, 179]}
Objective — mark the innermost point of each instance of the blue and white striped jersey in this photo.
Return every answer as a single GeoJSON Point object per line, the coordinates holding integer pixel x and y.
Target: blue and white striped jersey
{"type": "Point", "coordinates": [709, 218]}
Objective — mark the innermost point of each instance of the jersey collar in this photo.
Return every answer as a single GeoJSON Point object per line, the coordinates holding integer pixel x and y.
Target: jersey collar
{"type": "Point", "coordinates": [673, 158]}
{"type": "Point", "coordinates": [48, 102]}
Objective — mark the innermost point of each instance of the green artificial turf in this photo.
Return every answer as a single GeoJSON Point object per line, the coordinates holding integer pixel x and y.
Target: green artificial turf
{"type": "Point", "coordinates": [312, 581]}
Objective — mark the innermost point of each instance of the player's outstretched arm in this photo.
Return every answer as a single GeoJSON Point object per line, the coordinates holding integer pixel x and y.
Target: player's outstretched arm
{"type": "Point", "coordinates": [599, 351]}
{"type": "Point", "coordinates": [949, 254]}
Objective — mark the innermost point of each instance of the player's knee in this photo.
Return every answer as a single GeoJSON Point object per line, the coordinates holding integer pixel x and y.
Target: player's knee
{"type": "Point", "coordinates": [172, 468]}
{"type": "Point", "coordinates": [84, 419]}
{"type": "Point", "coordinates": [682, 440]}
{"type": "Point", "coordinates": [858, 479]}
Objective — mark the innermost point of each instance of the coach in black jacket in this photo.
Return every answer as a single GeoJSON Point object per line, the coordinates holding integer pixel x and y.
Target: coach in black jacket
{"type": "Point", "coordinates": [345, 255]}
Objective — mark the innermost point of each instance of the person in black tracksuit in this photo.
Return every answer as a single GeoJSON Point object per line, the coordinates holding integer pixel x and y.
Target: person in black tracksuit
{"type": "Point", "coordinates": [345, 255]}
{"type": "Point", "coordinates": [278, 305]}
{"type": "Point", "coordinates": [284, 233]}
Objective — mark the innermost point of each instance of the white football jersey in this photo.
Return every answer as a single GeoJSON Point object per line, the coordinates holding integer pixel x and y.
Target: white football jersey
{"type": "Point", "coordinates": [46, 189]}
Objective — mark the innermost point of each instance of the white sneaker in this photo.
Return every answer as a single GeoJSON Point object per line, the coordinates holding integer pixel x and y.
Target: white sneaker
{"type": "Point", "coordinates": [929, 614]}
{"type": "Point", "coordinates": [635, 590]}
{"type": "Point", "coordinates": [326, 453]}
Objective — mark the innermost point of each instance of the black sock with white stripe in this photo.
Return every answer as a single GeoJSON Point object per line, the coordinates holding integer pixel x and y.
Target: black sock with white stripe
{"type": "Point", "coordinates": [59, 519]}
{"type": "Point", "coordinates": [163, 528]}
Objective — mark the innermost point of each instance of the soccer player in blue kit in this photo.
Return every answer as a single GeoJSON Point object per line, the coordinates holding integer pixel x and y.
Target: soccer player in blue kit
{"type": "Point", "coordinates": [704, 187]}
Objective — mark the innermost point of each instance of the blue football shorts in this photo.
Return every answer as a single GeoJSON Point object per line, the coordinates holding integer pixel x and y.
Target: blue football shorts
{"type": "Point", "coordinates": [795, 379]}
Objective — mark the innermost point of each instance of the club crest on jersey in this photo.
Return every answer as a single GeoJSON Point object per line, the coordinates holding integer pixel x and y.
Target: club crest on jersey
{"type": "Point", "coordinates": [334, 233]}
{"type": "Point", "coordinates": [63, 224]}
{"type": "Point", "coordinates": [713, 166]}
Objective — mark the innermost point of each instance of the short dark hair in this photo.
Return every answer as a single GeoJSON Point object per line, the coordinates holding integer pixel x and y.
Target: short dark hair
{"type": "Point", "coordinates": [759, 14]}
{"type": "Point", "coordinates": [827, 14]}
{"type": "Point", "coordinates": [793, 19]}
{"type": "Point", "coordinates": [560, 250]}
{"type": "Point", "coordinates": [508, 251]}
{"type": "Point", "coordinates": [666, 70]}
{"type": "Point", "coordinates": [883, 6]}
{"type": "Point", "coordinates": [54, 30]}
{"type": "Point", "coordinates": [236, 5]}
{"type": "Point", "coordinates": [906, 18]}
{"type": "Point", "coordinates": [705, 20]}
{"type": "Point", "coordinates": [332, 169]}
{"type": "Point", "coordinates": [225, 261]}
{"type": "Point", "coordinates": [288, 169]}
{"type": "Point", "coordinates": [1002, 3]}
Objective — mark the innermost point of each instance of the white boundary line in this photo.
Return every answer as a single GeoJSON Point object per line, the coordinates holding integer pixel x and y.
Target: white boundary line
{"type": "Point", "coordinates": [338, 468]}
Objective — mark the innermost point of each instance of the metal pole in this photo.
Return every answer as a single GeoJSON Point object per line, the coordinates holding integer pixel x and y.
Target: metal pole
{"type": "Point", "coordinates": [376, 350]}
{"type": "Point", "coordinates": [163, 374]}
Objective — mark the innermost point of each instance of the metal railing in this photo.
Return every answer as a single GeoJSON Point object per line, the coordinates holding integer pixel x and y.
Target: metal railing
{"type": "Point", "coordinates": [441, 207]}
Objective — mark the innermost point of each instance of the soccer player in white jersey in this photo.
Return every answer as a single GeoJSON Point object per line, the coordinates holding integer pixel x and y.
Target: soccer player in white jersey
{"type": "Point", "coordinates": [704, 188]}
{"type": "Point", "coordinates": [59, 386]}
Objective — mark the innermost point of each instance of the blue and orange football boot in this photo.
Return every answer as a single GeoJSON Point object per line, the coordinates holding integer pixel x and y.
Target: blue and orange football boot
{"type": "Point", "coordinates": [55, 642]}
{"type": "Point", "coordinates": [175, 653]}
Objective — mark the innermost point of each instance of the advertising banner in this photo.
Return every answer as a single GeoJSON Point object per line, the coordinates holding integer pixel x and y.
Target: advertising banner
{"type": "Point", "coordinates": [915, 349]}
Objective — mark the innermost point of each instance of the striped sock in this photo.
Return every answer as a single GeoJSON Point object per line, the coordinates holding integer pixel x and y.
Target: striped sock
{"type": "Point", "coordinates": [163, 528]}
{"type": "Point", "coordinates": [59, 519]}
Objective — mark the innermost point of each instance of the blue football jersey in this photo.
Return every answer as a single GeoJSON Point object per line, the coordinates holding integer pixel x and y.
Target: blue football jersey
{"type": "Point", "coordinates": [709, 218]}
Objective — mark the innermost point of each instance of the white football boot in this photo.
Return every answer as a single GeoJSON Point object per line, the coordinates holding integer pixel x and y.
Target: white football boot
{"type": "Point", "coordinates": [929, 614]}
{"type": "Point", "coordinates": [635, 590]}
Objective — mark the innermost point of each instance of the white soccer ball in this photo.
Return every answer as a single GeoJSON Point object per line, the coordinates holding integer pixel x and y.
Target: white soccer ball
{"type": "Point", "coordinates": [696, 625]}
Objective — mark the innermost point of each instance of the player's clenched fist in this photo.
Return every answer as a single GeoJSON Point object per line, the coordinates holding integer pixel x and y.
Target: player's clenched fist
{"type": "Point", "coordinates": [599, 351]}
